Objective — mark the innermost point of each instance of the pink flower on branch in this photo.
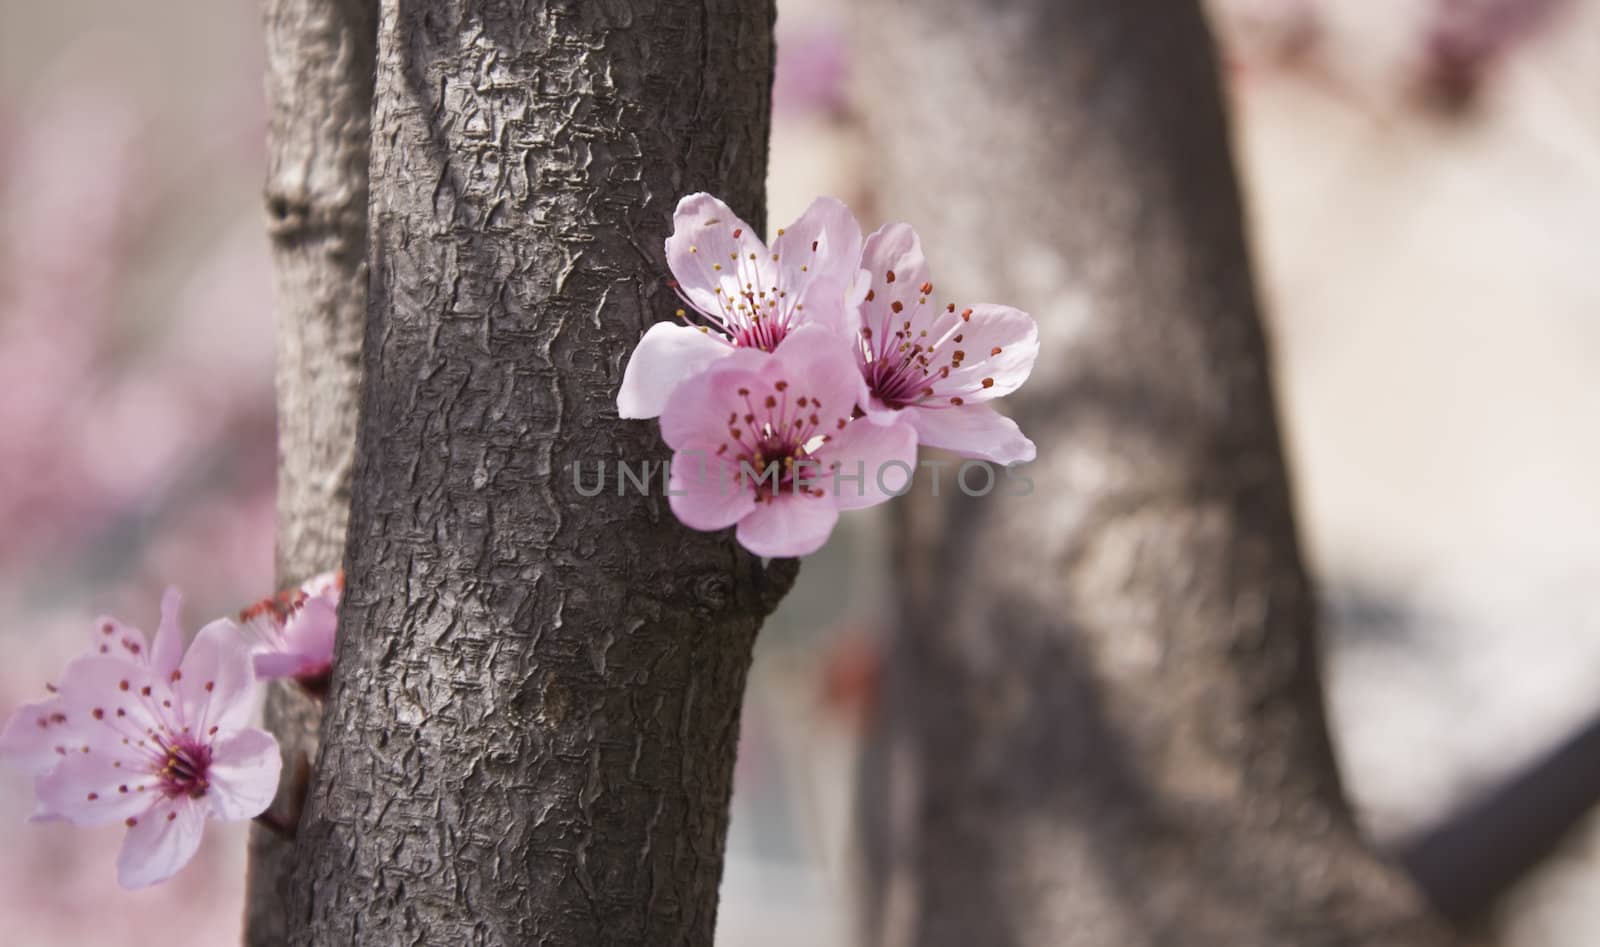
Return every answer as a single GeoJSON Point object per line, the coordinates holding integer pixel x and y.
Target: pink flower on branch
{"type": "Point", "coordinates": [771, 442]}
{"type": "Point", "coordinates": [936, 368]}
{"type": "Point", "coordinates": [295, 631]}
{"type": "Point", "coordinates": [160, 744]}
{"type": "Point", "coordinates": [740, 294]}
{"type": "Point", "coordinates": [780, 415]}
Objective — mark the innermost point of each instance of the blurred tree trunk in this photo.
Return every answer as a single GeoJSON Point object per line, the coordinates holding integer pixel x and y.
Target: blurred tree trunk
{"type": "Point", "coordinates": [1103, 721]}
{"type": "Point", "coordinates": [320, 57]}
{"type": "Point", "coordinates": [530, 735]}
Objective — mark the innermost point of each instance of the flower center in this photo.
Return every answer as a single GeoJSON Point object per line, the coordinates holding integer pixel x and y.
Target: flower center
{"type": "Point", "coordinates": [185, 769]}
{"type": "Point", "coordinates": [775, 439]}
{"type": "Point", "coordinates": [761, 333]}
{"type": "Point", "coordinates": [753, 308]}
{"type": "Point", "coordinates": [903, 359]}
{"type": "Point", "coordinates": [774, 462]}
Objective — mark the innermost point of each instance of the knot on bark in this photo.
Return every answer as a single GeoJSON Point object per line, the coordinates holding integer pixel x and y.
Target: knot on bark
{"type": "Point", "coordinates": [711, 592]}
{"type": "Point", "coordinates": [295, 217]}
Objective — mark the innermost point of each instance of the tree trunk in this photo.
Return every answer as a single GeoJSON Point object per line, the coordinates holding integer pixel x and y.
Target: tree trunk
{"type": "Point", "coordinates": [320, 60]}
{"type": "Point", "coordinates": [1103, 721]}
{"type": "Point", "coordinates": [535, 704]}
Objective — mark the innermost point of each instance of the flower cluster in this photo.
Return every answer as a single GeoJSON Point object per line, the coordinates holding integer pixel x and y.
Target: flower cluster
{"type": "Point", "coordinates": [799, 378]}
{"type": "Point", "coordinates": [158, 737]}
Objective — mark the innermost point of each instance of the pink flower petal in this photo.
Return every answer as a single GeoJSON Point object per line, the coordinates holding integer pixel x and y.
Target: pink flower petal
{"type": "Point", "coordinates": [243, 775]}
{"type": "Point", "coordinates": [114, 637]}
{"type": "Point", "coordinates": [95, 789]}
{"type": "Point", "coordinates": [32, 734]}
{"type": "Point", "coordinates": [161, 842]}
{"type": "Point", "coordinates": [272, 665]}
{"type": "Point", "coordinates": [216, 682]}
{"type": "Point", "coordinates": [668, 354]}
{"type": "Point", "coordinates": [893, 249]}
{"type": "Point", "coordinates": [312, 629]}
{"type": "Point", "coordinates": [710, 250]}
{"type": "Point", "coordinates": [107, 698]}
{"type": "Point", "coordinates": [822, 363]}
{"type": "Point", "coordinates": [818, 259]}
{"type": "Point", "coordinates": [697, 411]}
{"type": "Point", "coordinates": [975, 430]}
{"type": "Point", "coordinates": [788, 525]}
{"type": "Point", "coordinates": [884, 456]}
{"type": "Point", "coordinates": [168, 649]}
{"type": "Point", "coordinates": [705, 491]}
{"type": "Point", "coordinates": [1000, 345]}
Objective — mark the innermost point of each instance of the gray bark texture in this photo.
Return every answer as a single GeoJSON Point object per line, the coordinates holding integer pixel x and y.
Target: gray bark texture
{"type": "Point", "coordinates": [531, 729]}
{"type": "Point", "coordinates": [1102, 722]}
{"type": "Point", "coordinates": [320, 60]}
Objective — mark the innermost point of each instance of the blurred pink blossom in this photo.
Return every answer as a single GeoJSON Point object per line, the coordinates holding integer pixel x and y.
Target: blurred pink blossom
{"type": "Point", "coordinates": [102, 421]}
{"type": "Point", "coordinates": [811, 73]}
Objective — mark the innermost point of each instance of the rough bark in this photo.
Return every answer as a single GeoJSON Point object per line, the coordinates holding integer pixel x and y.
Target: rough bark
{"type": "Point", "coordinates": [320, 61]}
{"type": "Point", "coordinates": [1102, 723]}
{"type": "Point", "coordinates": [531, 729]}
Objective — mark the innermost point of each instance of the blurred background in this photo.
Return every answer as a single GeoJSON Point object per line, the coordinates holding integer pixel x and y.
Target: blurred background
{"type": "Point", "coordinates": [1423, 179]}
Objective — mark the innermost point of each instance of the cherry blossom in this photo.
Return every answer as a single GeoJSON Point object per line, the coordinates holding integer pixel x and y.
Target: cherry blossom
{"type": "Point", "coordinates": [159, 744]}
{"type": "Point", "coordinates": [740, 294]}
{"type": "Point", "coordinates": [294, 631]}
{"type": "Point", "coordinates": [772, 442]}
{"type": "Point", "coordinates": [936, 368]}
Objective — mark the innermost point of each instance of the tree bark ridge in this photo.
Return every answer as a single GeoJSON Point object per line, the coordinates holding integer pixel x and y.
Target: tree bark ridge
{"type": "Point", "coordinates": [535, 705]}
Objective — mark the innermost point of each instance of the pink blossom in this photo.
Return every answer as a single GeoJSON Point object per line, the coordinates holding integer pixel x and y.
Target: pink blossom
{"type": "Point", "coordinates": [935, 368]}
{"type": "Point", "coordinates": [295, 630]}
{"type": "Point", "coordinates": [771, 442]}
{"type": "Point", "coordinates": [158, 740]}
{"type": "Point", "coordinates": [742, 295]}
{"type": "Point", "coordinates": [87, 381]}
